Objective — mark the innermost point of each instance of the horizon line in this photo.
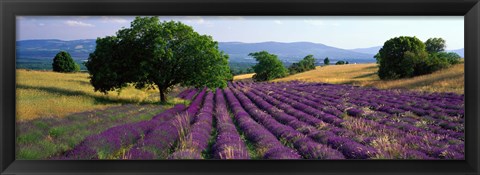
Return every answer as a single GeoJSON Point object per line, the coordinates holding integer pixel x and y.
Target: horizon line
{"type": "Point", "coordinates": [245, 43]}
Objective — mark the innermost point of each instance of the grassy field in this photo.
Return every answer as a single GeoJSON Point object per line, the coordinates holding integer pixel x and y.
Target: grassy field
{"type": "Point", "coordinates": [448, 80]}
{"type": "Point", "coordinates": [42, 138]}
{"type": "Point", "coordinates": [56, 111]}
{"type": "Point", "coordinates": [43, 94]}
{"type": "Point", "coordinates": [337, 74]}
{"type": "Point", "coordinates": [243, 77]}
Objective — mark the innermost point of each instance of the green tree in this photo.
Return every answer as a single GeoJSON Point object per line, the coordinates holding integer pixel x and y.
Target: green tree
{"type": "Point", "coordinates": [437, 61]}
{"type": "Point", "coordinates": [435, 45]}
{"type": "Point", "coordinates": [392, 61]}
{"type": "Point", "coordinates": [294, 68]}
{"type": "Point", "coordinates": [268, 67]}
{"type": "Point", "coordinates": [250, 70]}
{"type": "Point", "coordinates": [309, 62]}
{"type": "Point", "coordinates": [326, 61]}
{"type": "Point", "coordinates": [155, 54]}
{"type": "Point", "coordinates": [63, 62]}
{"type": "Point", "coordinates": [306, 64]}
{"type": "Point", "coordinates": [77, 67]}
{"type": "Point", "coordinates": [229, 76]}
{"type": "Point", "coordinates": [451, 57]}
{"type": "Point", "coordinates": [341, 62]}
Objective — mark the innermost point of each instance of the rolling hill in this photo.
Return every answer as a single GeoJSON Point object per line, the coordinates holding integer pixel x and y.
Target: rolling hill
{"type": "Point", "coordinates": [238, 52]}
{"type": "Point", "coordinates": [46, 49]}
{"type": "Point", "coordinates": [292, 52]}
{"type": "Point", "coordinates": [447, 80]}
{"type": "Point", "coordinates": [368, 50]}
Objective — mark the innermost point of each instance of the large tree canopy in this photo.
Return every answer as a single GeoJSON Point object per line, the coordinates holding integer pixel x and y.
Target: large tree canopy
{"type": "Point", "coordinates": [404, 57]}
{"type": "Point", "coordinates": [268, 67]}
{"type": "Point", "coordinates": [393, 63]}
{"type": "Point", "coordinates": [156, 54]}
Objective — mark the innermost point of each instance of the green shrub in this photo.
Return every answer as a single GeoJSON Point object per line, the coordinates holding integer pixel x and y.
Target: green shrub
{"type": "Point", "coordinates": [451, 57]}
{"type": "Point", "coordinates": [326, 61]}
{"type": "Point", "coordinates": [63, 62]}
{"type": "Point", "coordinates": [341, 62]}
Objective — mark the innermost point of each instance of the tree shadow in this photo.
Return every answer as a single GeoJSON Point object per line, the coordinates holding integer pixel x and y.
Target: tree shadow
{"type": "Point", "coordinates": [420, 83]}
{"type": "Point", "coordinates": [365, 75]}
{"type": "Point", "coordinates": [80, 82]}
{"type": "Point", "coordinates": [98, 99]}
{"type": "Point", "coordinates": [370, 67]}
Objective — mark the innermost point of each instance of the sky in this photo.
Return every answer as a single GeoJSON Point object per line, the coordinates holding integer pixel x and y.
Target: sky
{"type": "Point", "coordinates": [347, 32]}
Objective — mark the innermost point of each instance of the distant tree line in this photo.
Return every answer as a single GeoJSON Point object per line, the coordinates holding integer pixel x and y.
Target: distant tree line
{"type": "Point", "coordinates": [400, 57]}
{"type": "Point", "coordinates": [405, 57]}
{"type": "Point", "coordinates": [341, 62]}
{"type": "Point", "coordinates": [237, 68]}
{"type": "Point", "coordinates": [269, 67]}
{"type": "Point", "coordinates": [306, 64]}
{"type": "Point", "coordinates": [326, 62]}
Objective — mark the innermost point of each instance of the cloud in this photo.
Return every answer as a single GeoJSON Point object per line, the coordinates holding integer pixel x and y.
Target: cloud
{"type": "Point", "coordinates": [189, 20]}
{"type": "Point", "coordinates": [278, 22]}
{"type": "Point", "coordinates": [322, 22]}
{"type": "Point", "coordinates": [41, 24]}
{"type": "Point", "coordinates": [114, 19]}
{"type": "Point", "coordinates": [78, 24]}
{"type": "Point", "coordinates": [314, 22]}
{"type": "Point", "coordinates": [194, 19]}
{"type": "Point", "coordinates": [231, 17]}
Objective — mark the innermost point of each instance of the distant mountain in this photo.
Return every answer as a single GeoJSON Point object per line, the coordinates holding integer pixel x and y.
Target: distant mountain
{"type": "Point", "coordinates": [47, 49]}
{"type": "Point", "coordinates": [238, 51]}
{"type": "Point", "coordinates": [291, 52]}
{"type": "Point", "coordinates": [368, 50]}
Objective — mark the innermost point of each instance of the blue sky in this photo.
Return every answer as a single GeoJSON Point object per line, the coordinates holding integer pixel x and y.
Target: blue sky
{"type": "Point", "coordinates": [338, 31]}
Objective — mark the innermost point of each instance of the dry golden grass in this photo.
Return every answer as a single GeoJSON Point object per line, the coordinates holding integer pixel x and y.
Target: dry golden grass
{"type": "Point", "coordinates": [243, 77]}
{"type": "Point", "coordinates": [337, 74]}
{"type": "Point", "coordinates": [49, 94]}
{"type": "Point", "coordinates": [447, 80]}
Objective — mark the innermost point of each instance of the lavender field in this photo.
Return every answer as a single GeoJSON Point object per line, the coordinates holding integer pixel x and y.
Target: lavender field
{"type": "Point", "coordinates": [290, 120]}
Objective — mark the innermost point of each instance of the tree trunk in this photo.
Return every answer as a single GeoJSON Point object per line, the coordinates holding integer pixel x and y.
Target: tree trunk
{"type": "Point", "coordinates": [163, 98]}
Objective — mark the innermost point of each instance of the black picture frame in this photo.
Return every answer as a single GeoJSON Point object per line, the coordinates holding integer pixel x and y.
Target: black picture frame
{"type": "Point", "coordinates": [470, 9]}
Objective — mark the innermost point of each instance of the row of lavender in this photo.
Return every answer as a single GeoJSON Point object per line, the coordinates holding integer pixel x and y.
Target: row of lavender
{"type": "Point", "coordinates": [403, 134]}
{"type": "Point", "coordinates": [291, 120]}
